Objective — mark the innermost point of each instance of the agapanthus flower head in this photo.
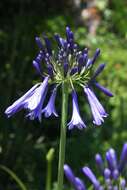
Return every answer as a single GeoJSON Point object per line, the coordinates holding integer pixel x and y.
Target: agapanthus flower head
{"type": "Point", "coordinates": [112, 172]}
{"type": "Point", "coordinates": [66, 64]}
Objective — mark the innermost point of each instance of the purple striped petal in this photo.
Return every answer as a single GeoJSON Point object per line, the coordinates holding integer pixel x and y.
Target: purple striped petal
{"type": "Point", "coordinates": [19, 104]}
{"type": "Point", "coordinates": [35, 102]}
{"type": "Point", "coordinates": [76, 120]}
{"type": "Point", "coordinates": [50, 109]}
{"type": "Point", "coordinates": [97, 109]}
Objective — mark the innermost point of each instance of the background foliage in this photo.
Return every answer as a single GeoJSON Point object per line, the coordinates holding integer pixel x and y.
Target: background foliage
{"type": "Point", "coordinates": [23, 144]}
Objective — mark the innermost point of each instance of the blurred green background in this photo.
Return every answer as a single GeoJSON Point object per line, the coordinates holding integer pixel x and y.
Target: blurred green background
{"type": "Point", "coordinates": [24, 143]}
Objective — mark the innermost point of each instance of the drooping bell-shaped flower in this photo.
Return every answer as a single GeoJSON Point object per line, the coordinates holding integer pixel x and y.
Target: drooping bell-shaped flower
{"type": "Point", "coordinates": [50, 108]}
{"type": "Point", "coordinates": [32, 101]}
{"type": "Point", "coordinates": [97, 109]}
{"type": "Point", "coordinates": [76, 120]}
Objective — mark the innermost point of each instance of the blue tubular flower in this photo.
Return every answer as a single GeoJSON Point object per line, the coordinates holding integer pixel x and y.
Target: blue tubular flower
{"type": "Point", "coordinates": [70, 65]}
{"type": "Point", "coordinates": [76, 120]}
{"type": "Point", "coordinates": [50, 108]}
{"type": "Point", "coordinates": [32, 101]}
{"type": "Point", "coordinates": [97, 109]}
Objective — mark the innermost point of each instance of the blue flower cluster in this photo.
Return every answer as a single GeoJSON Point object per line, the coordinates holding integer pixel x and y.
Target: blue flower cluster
{"type": "Point", "coordinates": [68, 64]}
{"type": "Point", "coordinates": [112, 174]}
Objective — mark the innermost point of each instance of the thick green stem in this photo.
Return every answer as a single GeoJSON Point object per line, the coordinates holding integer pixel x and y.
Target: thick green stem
{"type": "Point", "coordinates": [62, 135]}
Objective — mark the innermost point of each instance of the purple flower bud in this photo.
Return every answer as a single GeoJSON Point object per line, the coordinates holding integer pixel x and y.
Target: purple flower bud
{"type": "Point", "coordinates": [89, 63]}
{"type": "Point", "coordinates": [74, 70]}
{"type": "Point", "coordinates": [80, 63]}
{"type": "Point", "coordinates": [122, 184]}
{"type": "Point", "coordinates": [123, 158]}
{"type": "Point", "coordinates": [98, 71]}
{"type": "Point", "coordinates": [108, 182]}
{"type": "Point", "coordinates": [110, 187]}
{"type": "Point", "coordinates": [50, 70]}
{"type": "Point", "coordinates": [85, 58]}
{"type": "Point", "coordinates": [32, 101]}
{"type": "Point", "coordinates": [97, 53]}
{"type": "Point", "coordinates": [87, 171]}
{"type": "Point", "coordinates": [97, 109]}
{"type": "Point", "coordinates": [69, 175]}
{"type": "Point", "coordinates": [66, 66]}
{"type": "Point", "coordinates": [99, 163]}
{"type": "Point", "coordinates": [103, 89]}
{"type": "Point", "coordinates": [75, 181]}
{"type": "Point", "coordinates": [69, 34]}
{"type": "Point", "coordinates": [85, 51]}
{"type": "Point", "coordinates": [79, 184]}
{"type": "Point", "coordinates": [101, 188]}
{"type": "Point", "coordinates": [111, 159]}
{"type": "Point", "coordinates": [48, 44]}
{"type": "Point", "coordinates": [115, 174]}
{"type": "Point", "coordinates": [76, 120]}
{"type": "Point", "coordinates": [63, 42]}
{"type": "Point", "coordinates": [37, 67]}
{"type": "Point", "coordinates": [50, 108]}
{"type": "Point", "coordinates": [39, 43]}
{"type": "Point", "coordinates": [39, 57]}
{"type": "Point", "coordinates": [107, 173]}
{"type": "Point", "coordinates": [57, 38]}
{"type": "Point", "coordinates": [115, 187]}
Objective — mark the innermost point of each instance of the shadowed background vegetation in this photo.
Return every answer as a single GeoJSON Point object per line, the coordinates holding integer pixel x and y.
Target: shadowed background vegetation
{"type": "Point", "coordinates": [24, 143]}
